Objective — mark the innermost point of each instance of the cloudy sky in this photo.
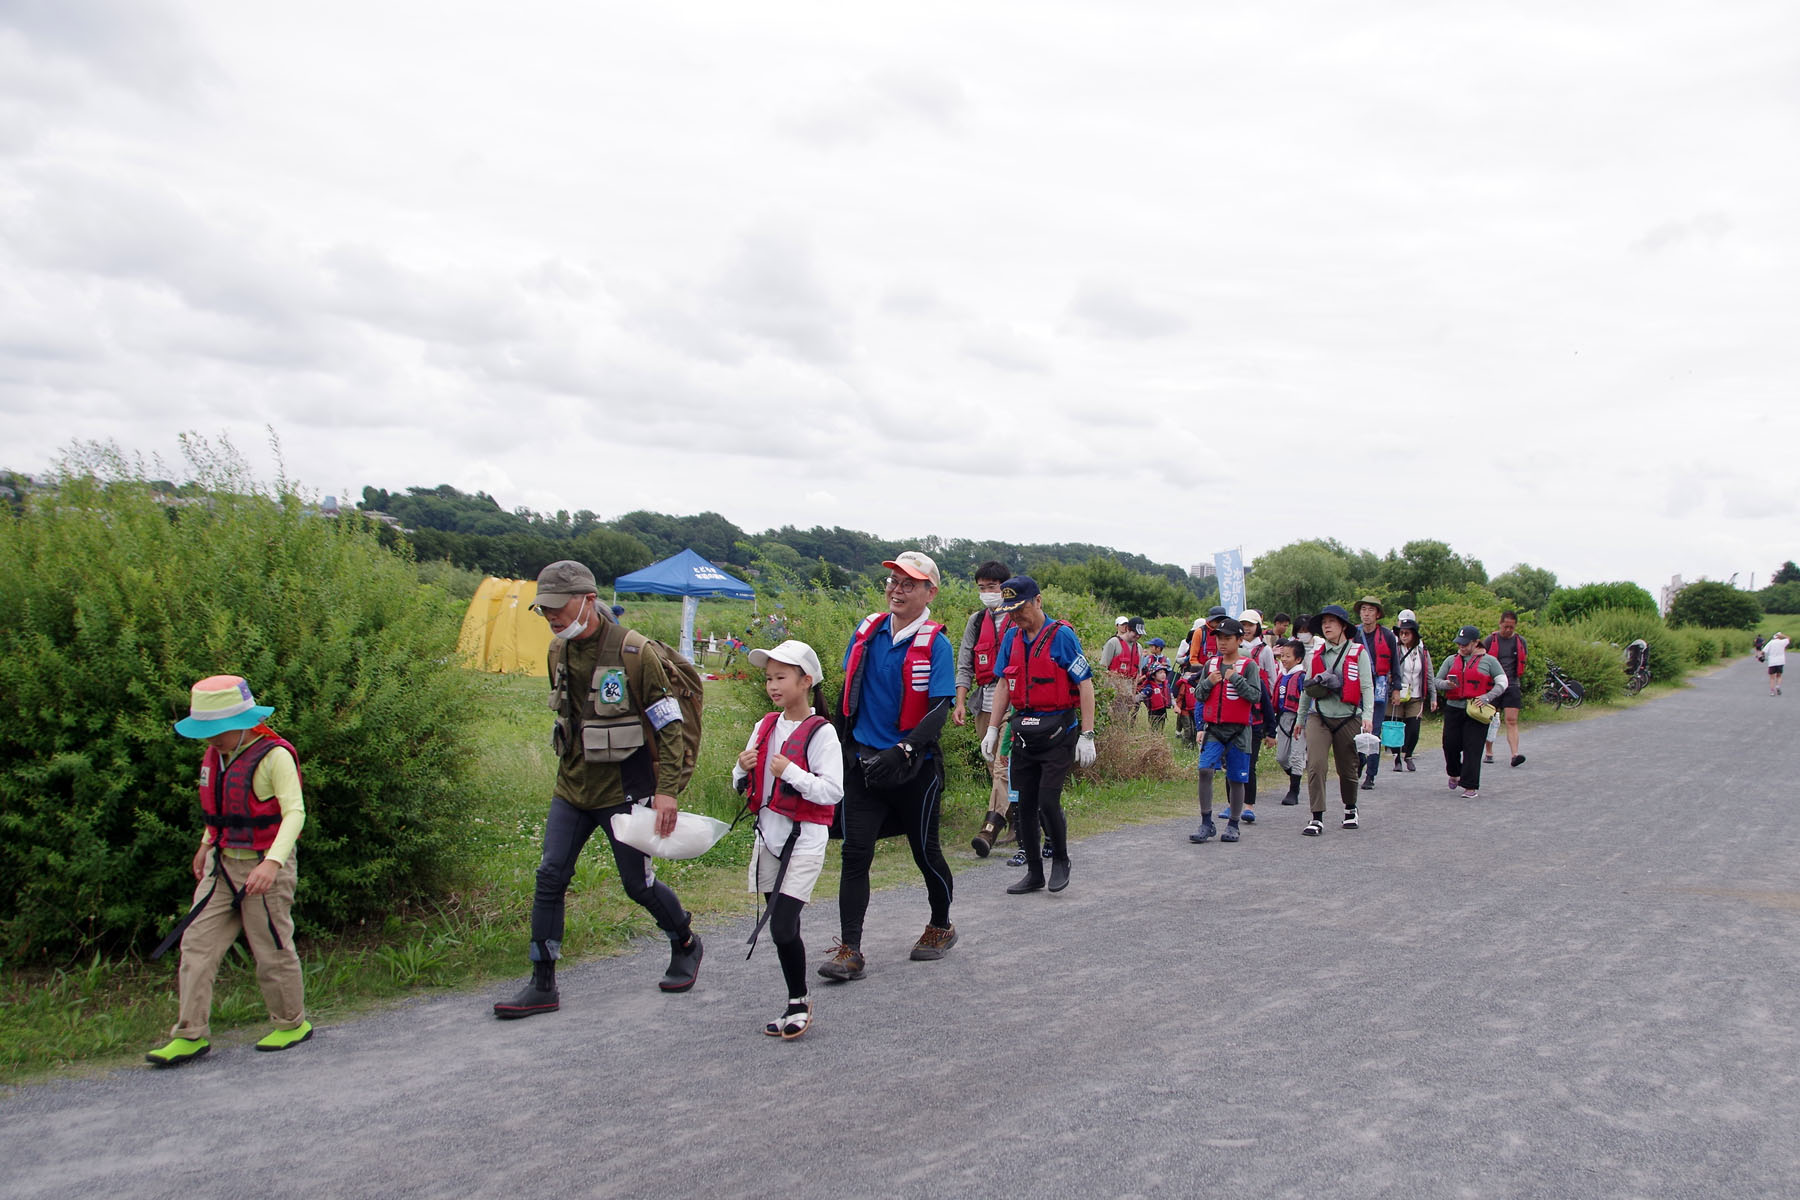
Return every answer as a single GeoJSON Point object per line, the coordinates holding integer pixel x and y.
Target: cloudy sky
{"type": "Point", "coordinates": [1168, 276]}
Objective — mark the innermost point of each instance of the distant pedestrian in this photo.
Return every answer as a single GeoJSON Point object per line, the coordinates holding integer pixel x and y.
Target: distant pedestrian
{"type": "Point", "coordinates": [975, 679]}
{"type": "Point", "coordinates": [792, 775]}
{"type": "Point", "coordinates": [1157, 697]}
{"type": "Point", "coordinates": [1382, 661]}
{"type": "Point", "coordinates": [1231, 688]}
{"type": "Point", "coordinates": [1774, 652]}
{"type": "Point", "coordinates": [253, 809]}
{"type": "Point", "coordinates": [1469, 680]}
{"type": "Point", "coordinates": [1290, 736]}
{"type": "Point", "coordinates": [1120, 654]}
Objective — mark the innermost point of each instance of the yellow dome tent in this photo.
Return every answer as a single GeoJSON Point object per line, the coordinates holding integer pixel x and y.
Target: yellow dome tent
{"type": "Point", "coordinates": [500, 633]}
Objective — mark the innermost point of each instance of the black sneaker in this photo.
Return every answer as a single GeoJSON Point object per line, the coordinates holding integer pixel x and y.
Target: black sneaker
{"type": "Point", "coordinates": [1017, 860]}
{"type": "Point", "coordinates": [1517, 759]}
{"type": "Point", "coordinates": [684, 965]}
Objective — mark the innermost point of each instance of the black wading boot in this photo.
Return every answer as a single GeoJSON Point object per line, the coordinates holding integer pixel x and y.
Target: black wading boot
{"type": "Point", "coordinates": [684, 964]}
{"type": "Point", "coordinates": [538, 996]}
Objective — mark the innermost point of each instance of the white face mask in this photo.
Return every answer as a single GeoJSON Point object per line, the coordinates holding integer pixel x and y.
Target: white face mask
{"type": "Point", "coordinates": [991, 599]}
{"type": "Point", "coordinates": [573, 629]}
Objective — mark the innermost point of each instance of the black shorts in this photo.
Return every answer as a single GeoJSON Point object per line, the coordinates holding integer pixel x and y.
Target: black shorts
{"type": "Point", "coordinates": [1775, 670]}
{"type": "Point", "coordinates": [1510, 698]}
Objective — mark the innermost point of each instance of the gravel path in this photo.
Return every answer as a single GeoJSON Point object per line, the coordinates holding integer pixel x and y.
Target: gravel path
{"type": "Point", "coordinates": [1582, 985]}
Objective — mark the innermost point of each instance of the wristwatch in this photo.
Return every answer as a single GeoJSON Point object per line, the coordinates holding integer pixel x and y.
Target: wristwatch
{"type": "Point", "coordinates": [906, 747]}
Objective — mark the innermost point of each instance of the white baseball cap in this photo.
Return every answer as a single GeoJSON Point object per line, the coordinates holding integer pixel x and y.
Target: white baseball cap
{"type": "Point", "coordinates": [1250, 614]}
{"type": "Point", "coordinates": [793, 653]}
{"type": "Point", "coordinates": [1122, 621]}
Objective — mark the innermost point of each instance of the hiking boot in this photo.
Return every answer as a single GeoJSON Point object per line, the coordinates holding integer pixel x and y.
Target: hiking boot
{"type": "Point", "coordinates": [1205, 833]}
{"type": "Point", "coordinates": [282, 1039]}
{"type": "Point", "coordinates": [1350, 818]}
{"type": "Point", "coordinates": [933, 942]}
{"type": "Point", "coordinates": [1517, 759]}
{"type": "Point", "coordinates": [1059, 874]}
{"type": "Point", "coordinates": [990, 830]}
{"type": "Point", "coordinates": [1314, 827]}
{"type": "Point", "coordinates": [1249, 816]}
{"type": "Point", "coordinates": [1031, 883]}
{"type": "Point", "coordinates": [1231, 832]}
{"type": "Point", "coordinates": [538, 996]}
{"type": "Point", "coordinates": [684, 965]}
{"type": "Point", "coordinates": [846, 963]}
{"type": "Point", "coordinates": [178, 1051]}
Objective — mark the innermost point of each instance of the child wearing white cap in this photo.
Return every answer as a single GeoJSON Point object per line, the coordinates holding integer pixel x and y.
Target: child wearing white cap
{"type": "Point", "coordinates": [792, 774]}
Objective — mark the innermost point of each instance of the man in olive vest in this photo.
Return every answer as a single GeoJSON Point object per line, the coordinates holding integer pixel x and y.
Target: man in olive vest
{"type": "Point", "coordinates": [617, 739]}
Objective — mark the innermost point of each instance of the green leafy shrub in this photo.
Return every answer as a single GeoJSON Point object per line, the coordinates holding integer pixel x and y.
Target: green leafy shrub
{"type": "Point", "coordinates": [1668, 652]}
{"type": "Point", "coordinates": [1714, 605]}
{"type": "Point", "coordinates": [1438, 624]}
{"type": "Point", "coordinates": [1568, 605]}
{"type": "Point", "coordinates": [1596, 665]}
{"type": "Point", "coordinates": [1780, 598]}
{"type": "Point", "coordinates": [118, 600]}
{"type": "Point", "coordinates": [1702, 646]}
{"type": "Point", "coordinates": [459, 583]}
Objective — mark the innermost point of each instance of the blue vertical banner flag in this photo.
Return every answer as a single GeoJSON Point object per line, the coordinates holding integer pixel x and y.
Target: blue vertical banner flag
{"type": "Point", "coordinates": [1229, 565]}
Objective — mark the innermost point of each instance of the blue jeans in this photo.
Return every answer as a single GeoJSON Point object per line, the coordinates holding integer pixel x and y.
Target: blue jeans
{"type": "Point", "coordinates": [1372, 762]}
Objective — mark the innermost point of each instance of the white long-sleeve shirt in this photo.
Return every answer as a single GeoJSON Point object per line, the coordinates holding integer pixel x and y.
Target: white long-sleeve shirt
{"type": "Point", "coordinates": [822, 784]}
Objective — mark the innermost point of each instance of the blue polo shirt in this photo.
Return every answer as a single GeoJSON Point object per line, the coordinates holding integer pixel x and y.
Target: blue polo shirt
{"type": "Point", "coordinates": [884, 674]}
{"type": "Point", "coordinates": [1065, 652]}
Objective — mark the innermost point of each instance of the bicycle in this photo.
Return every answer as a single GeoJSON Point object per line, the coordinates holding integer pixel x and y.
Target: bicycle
{"type": "Point", "coordinates": [1559, 690]}
{"type": "Point", "coordinates": [1638, 679]}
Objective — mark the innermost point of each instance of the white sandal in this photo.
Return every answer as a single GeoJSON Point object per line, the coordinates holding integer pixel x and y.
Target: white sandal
{"type": "Point", "coordinates": [791, 1025]}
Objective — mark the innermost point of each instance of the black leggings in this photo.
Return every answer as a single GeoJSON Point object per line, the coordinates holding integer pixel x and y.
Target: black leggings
{"type": "Point", "coordinates": [1412, 736]}
{"type": "Point", "coordinates": [566, 831]}
{"type": "Point", "coordinates": [1039, 782]}
{"type": "Point", "coordinates": [784, 931]}
{"type": "Point", "coordinates": [914, 807]}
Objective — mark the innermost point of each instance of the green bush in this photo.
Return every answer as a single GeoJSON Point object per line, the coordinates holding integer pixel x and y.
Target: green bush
{"type": "Point", "coordinates": [1438, 624]}
{"type": "Point", "coordinates": [117, 601]}
{"type": "Point", "coordinates": [1596, 665]}
{"type": "Point", "coordinates": [1702, 646]}
{"type": "Point", "coordinates": [1714, 605]}
{"type": "Point", "coordinates": [1780, 598]}
{"type": "Point", "coordinates": [1568, 605]}
{"type": "Point", "coordinates": [459, 583]}
{"type": "Point", "coordinates": [1620, 627]}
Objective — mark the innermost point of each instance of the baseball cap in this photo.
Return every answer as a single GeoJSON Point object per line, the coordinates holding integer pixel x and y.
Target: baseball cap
{"type": "Point", "coordinates": [1467, 634]}
{"type": "Point", "coordinates": [916, 564]}
{"type": "Point", "coordinates": [1117, 621]}
{"type": "Point", "coordinates": [561, 582]}
{"type": "Point", "coordinates": [1017, 592]}
{"type": "Point", "coordinates": [794, 653]}
{"type": "Point", "coordinates": [1158, 643]}
{"type": "Point", "coordinates": [1251, 615]}
{"type": "Point", "coordinates": [1229, 628]}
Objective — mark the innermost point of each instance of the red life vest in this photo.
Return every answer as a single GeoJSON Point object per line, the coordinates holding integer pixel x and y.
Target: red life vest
{"type": "Point", "coordinates": [1350, 666]}
{"type": "Point", "coordinates": [1221, 707]}
{"type": "Point", "coordinates": [1126, 661]}
{"type": "Point", "coordinates": [1384, 654]}
{"type": "Point", "coordinates": [915, 680]}
{"type": "Point", "coordinates": [1157, 695]}
{"type": "Point", "coordinates": [787, 799]}
{"type": "Point", "coordinates": [1038, 683]}
{"type": "Point", "coordinates": [1467, 680]}
{"type": "Point", "coordinates": [238, 817]}
{"type": "Point", "coordinates": [1203, 643]}
{"type": "Point", "coordinates": [987, 645]}
{"type": "Point", "coordinates": [1288, 690]}
{"type": "Point", "coordinates": [1493, 648]}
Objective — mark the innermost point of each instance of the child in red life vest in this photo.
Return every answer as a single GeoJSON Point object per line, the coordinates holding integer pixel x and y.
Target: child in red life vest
{"type": "Point", "coordinates": [251, 801]}
{"type": "Point", "coordinates": [1156, 696]}
{"type": "Point", "coordinates": [1230, 690]}
{"type": "Point", "coordinates": [792, 771]}
{"type": "Point", "coordinates": [1290, 741]}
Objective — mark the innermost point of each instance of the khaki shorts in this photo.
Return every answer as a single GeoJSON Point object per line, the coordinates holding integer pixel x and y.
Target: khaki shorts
{"type": "Point", "coordinates": [802, 873]}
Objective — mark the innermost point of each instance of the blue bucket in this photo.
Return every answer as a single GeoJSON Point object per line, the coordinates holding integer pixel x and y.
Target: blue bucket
{"type": "Point", "coordinates": [1393, 734]}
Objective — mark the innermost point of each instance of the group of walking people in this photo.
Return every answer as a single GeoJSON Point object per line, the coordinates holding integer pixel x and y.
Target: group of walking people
{"type": "Point", "coordinates": [856, 757]}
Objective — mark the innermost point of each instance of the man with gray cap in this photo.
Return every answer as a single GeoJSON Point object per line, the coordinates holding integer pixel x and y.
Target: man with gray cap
{"type": "Point", "coordinates": [899, 689]}
{"type": "Point", "coordinates": [618, 742]}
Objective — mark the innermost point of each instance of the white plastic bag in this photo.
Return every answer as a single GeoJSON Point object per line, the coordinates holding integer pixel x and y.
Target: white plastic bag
{"type": "Point", "coordinates": [694, 834]}
{"type": "Point", "coordinates": [1368, 743]}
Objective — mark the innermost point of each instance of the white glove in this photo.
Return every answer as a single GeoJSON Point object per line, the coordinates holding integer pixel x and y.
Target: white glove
{"type": "Point", "coordinates": [990, 742]}
{"type": "Point", "coordinates": [1085, 753]}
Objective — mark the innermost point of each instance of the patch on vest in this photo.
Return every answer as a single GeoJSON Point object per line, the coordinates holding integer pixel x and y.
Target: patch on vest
{"type": "Point", "coordinates": [663, 711]}
{"type": "Point", "coordinates": [612, 687]}
{"type": "Point", "coordinates": [205, 776]}
{"type": "Point", "coordinates": [921, 676]}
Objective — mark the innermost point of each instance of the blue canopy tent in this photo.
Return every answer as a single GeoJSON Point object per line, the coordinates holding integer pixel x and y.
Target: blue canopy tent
{"type": "Point", "coordinates": [689, 576]}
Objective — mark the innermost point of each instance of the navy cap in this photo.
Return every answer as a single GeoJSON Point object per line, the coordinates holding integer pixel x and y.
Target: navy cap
{"type": "Point", "coordinates": [1467, 634]}
{"type": "Point", "coordinates": [1334, 610]}
{"type": "Point", "coordinates": [1217, 610]}
{"type": "Point", "coordinates": [1018, 591]}
{"type": "Point", "coordinates": [1229, 628]}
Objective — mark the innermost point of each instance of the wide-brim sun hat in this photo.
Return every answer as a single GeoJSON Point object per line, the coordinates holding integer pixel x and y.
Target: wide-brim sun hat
{"type": "Point", "coordinates": [1333, 610]}
{"type": "Point", "coordinates": [221, 704]}
{"type": "Point", "coordinates": [794, 653]}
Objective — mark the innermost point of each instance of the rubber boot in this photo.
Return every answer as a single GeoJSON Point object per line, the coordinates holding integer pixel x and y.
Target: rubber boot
{"type": "Point", "coordinates": [684, 964]}
{"type": "Point", "coordinates": [1011, 826]}
{"type": "Point", "coordinates": [1293, 792]}
{"type": "Point", "coordinates": [538, 996]}
{"type": "Point", "coordinates": [990, 830]}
